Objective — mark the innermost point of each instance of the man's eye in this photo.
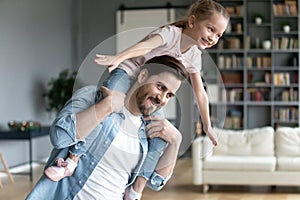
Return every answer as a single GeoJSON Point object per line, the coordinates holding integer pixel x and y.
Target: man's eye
{"type": "Point", "coordinates": [170, 95]}
{"type": "Point", "coordinates": [161, 87]}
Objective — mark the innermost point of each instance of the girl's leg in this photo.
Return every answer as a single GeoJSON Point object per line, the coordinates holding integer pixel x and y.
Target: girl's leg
{"type": "Point", "coordinates": [156, 147]}
{"type": "Point", "coordinates": [118, 80]}
{"type": "Point", "coordinates": [66, 167]}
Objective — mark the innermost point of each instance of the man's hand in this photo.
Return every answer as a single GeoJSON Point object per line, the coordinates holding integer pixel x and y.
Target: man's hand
{"type": "Point", "coordinates": [115, 99]}
{"type": "Point", "coordinates": [162, 128]}
{"type": "Point", "coordinates": [111, 61]}
{"type": "Point", "coordinates": [126, 195]}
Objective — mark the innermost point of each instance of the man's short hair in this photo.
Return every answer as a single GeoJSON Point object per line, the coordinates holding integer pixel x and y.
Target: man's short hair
{"type": "Point", "coordinates": [166, 63]}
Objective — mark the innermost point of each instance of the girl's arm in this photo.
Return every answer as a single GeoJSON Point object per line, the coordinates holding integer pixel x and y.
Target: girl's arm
{"type": "Point", "coordinates": [136, 50]}
{"type": "Point", "coordinates": [201, 99]}
{"type": "Point", "coordinates": [203, 105]}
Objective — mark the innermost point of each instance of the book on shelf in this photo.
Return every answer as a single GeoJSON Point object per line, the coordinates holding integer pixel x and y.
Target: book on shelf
{"type": "Point", "coordinates": [235, 94]}
{"type": "Point", "coordinates": [281, 78]}
{"type": "Point", "coordinates": [255, 94]}
{"type": "Point", "coordinates": [288, 8]}
{"type": "Point", "coordinates": [235, 10]}
{"type": "Point", "coordinates": [258, 62]}
{"type": "Point", "coordinates": [234, 119]}
{"type": "Point", "coordinates": [221, 62]}
{"type": "Point", "coordinates": [248, 42]}
{"type": "Point", "coordinates": [249, 62]}
{"type": "Point", "coordinates": [286, 114]}
{"type": "Point", "coordinates": [285, 43]}
{"type": "Point", "coordinates": [287, 95]}
{"type": "Point", "coordinates": [232, 78]}
{"type": "Point", "coordinates": [233, 43]}
{"type": "Point", "coordinates": [267, 77]}
{"type": "Point", "coordinates": [230, 62]}
{"type": "Point", "coordinates": [293, 94]}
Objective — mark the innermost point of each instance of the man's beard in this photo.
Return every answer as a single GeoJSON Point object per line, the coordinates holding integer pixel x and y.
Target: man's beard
{"type": "Point", "coordinates": [147, 110]}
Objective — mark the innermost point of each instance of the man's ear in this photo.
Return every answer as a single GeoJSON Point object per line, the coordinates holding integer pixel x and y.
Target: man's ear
{"type": "Point", "coordinates": [191, 21]}
{"type": "Point", "coordinates": [143, 75]}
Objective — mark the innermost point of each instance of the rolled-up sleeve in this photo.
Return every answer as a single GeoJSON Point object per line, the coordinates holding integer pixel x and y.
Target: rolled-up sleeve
{"type": "Point", "coordinates": [63, 129]}
{"type": "Point", "coordinates": [157, 182]}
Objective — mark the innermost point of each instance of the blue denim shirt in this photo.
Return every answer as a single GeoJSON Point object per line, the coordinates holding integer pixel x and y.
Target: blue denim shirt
{"type": "Point", "coordinates": [63, 135]}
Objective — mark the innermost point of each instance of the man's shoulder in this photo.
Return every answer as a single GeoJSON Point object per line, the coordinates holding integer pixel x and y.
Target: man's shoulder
{"type": "Point", "coordinates": [89, 89]}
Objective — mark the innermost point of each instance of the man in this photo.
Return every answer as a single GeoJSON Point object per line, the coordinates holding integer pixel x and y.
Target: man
{"type": "Point", "coordinates": [113, 132]}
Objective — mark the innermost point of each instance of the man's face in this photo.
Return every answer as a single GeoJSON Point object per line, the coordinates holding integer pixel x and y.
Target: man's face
{"type": "Point", "coordinates": [156, 91]}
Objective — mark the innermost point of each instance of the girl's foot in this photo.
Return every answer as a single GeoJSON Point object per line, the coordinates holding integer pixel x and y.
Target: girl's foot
{"type": "Point", "coordinates": [63, 169]}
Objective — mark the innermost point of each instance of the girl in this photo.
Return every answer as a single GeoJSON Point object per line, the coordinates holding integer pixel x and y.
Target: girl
{"type": "Point", "coordinates": [204, 25]}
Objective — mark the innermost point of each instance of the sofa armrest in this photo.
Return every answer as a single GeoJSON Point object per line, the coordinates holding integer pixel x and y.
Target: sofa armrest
{"type": "Point", "coordinates": [197, 160]}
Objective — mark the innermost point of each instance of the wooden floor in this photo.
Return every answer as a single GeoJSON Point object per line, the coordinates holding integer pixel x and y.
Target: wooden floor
{"type": "Point", "coordinates": [180, 187]}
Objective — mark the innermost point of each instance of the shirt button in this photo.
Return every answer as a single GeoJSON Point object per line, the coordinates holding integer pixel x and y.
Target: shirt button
{"type": "Point", "coordinates": [80, 182]}
{"type": "Point", "coordinates": [92, 163]}
{"type": "Point", "coordinates": [106, 142]}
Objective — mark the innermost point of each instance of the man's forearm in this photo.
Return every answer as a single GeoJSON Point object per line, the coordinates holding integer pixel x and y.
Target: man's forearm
{"type": "Point", "coordinates": [166, 163]}
{"type": "Point", "coordinates": [139, 184]}
{"type": "Point", "coordinates": [88, 119]}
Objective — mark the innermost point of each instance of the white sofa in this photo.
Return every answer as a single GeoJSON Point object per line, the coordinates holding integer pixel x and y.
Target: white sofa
{"type": "Point", "coordinates": [258, 156]}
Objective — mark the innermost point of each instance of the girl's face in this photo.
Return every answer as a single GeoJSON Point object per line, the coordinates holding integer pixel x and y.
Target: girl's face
{"type": "Point", "coordinates": [206, 32]}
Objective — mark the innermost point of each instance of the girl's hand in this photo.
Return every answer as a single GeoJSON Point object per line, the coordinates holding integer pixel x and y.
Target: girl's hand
{"type": "Point", "coordinates": [110, 61]}
{"type": "Point", "coordinates": [212, 136]}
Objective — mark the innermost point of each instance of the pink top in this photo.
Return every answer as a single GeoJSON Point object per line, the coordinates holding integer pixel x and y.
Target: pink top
{"type": "Point", "coordinates": [171, 36]}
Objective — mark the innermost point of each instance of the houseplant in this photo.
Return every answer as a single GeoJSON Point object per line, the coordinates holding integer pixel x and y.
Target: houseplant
{"type": "Point", "coordinates": [60, 90]}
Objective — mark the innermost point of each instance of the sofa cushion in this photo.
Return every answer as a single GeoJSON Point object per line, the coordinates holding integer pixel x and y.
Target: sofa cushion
{"type": "Point", "coordinates": [240, 163]}
{"type": "Point", "coordinates": [288, 163]}
{"type": "Point", "coordinates": [249, 142]}
{"type": "Point", "coordinates": [287, 141]}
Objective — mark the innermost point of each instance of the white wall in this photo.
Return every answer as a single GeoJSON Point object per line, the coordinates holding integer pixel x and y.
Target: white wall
{"type": "Point", "coordinates": [35, 45]}
{"type": "Point", "coordinates": [39, 38]}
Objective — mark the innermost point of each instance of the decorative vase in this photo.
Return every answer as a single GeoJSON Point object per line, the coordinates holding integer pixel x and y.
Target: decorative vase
{"type": "Point", "coordinates": [258, 20]}
{"type": "Point", "coordinates": [266, 44]}
{"type": "Point", "coordinates": [286, 28]}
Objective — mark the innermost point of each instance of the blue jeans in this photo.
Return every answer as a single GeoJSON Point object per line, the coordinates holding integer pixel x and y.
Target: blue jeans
{"type": "Point", "coordinates": [119, 80]}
